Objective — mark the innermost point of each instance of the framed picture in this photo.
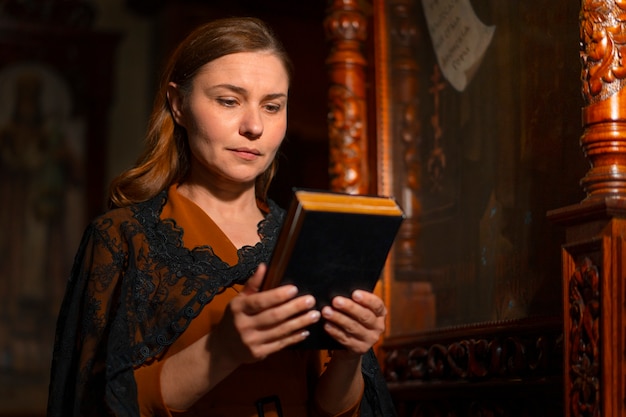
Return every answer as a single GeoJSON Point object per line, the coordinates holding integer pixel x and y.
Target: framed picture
{"type": "Point", "coordinates": [55, 88]}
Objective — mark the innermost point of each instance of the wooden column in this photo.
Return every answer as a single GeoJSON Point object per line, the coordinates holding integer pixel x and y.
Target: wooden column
{"type": "Point", "coordinates": [346, 29]}
{"type": "Point", "coordinates": [594, 271]}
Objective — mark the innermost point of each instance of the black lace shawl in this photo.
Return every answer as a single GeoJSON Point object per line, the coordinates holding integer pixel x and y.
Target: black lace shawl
{"type": "Point", "coordinates": [133, 290]}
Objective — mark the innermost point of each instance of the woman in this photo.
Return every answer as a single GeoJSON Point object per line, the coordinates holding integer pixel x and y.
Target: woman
{"type": "Point", "coordinates": [163, 314]}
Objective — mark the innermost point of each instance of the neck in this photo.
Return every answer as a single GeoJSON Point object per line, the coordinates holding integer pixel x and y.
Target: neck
{"type": "Point", "coordinates": [223, 202]}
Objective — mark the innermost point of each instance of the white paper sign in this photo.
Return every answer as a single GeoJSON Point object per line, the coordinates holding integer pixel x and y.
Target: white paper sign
{"type": "Point", "coordinates": [459, 38]}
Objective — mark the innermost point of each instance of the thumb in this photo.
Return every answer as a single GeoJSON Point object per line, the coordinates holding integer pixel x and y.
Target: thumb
{"type": "Point", "coordinates": [253, 285]}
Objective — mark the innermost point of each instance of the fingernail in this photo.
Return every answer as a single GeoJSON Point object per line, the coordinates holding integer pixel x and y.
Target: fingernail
{"type": "Point", "coordinates": [314, 315]}
{"type": "Point", "coordinates": [327, 311]}
{"type": "Point", "coordinates": [304, 333]}
{"type": "Point", "coordinates": [357, 295]}
{"type": "Point", "coordinates": [310, 301]}
{"type": "Point", "coordinates": [293, 290]}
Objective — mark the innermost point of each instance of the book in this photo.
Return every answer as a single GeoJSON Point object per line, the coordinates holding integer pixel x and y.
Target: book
{"type": "Point", "coordinates": [331, 244]}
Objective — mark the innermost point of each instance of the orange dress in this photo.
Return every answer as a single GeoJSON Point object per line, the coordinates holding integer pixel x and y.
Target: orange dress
{"type": "Point", "coordinates": [289, 375]}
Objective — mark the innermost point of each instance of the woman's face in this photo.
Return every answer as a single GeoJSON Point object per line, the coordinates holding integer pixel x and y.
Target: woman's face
{"type": "Point", "coordinates": [235, 117]}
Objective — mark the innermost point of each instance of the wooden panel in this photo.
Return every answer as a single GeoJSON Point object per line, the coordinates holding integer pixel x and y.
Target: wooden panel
{"type": "Point", "coordinates": [478, 169]}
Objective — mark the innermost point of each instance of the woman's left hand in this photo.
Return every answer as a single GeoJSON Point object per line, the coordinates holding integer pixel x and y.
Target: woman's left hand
{"type": "Point", "coordinates": [356, 322]}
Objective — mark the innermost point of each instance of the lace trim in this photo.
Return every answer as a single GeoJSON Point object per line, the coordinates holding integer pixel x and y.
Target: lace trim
{"type": "Point", "coordinates": [172, 283]}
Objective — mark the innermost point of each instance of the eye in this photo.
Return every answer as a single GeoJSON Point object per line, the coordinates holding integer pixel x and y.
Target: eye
{"type": "Point", "coordinates": [273, 108]}
{"type": "Point", "coordinates": [227, 102]}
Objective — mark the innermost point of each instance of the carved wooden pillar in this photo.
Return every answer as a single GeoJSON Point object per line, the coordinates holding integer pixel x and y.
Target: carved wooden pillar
{"type": "Point", "coordinates": [594, 271]}
{"type": "Point", "coordinates": [346, 28]}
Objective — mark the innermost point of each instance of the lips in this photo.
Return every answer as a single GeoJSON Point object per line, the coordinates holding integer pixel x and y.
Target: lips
{"type": "Point", "coordinates": [247, 153]}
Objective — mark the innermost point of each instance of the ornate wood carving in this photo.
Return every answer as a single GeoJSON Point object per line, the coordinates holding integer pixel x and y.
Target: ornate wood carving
{"type": "Point", "coordinates": [404, 38]}
{"type": "Point", "coordinates": [495, 370]}
{"type": "Point", "coordinates": [436, 162]}
{"type": "Point", "coordinates": [594, 312]}
{"type": "Point", "coordinates": [593, 267]}
{"type": "Point", "coordinates": [346, 28]}
{"type": "Point", "coordinates": [583, 356]}
{"type": "Point", "coordinates": [479, 353]}
{"type": "Point", "coordinates": [603, 45]}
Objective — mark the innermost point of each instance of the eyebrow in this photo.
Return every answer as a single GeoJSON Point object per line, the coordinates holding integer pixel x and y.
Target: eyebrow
{"type": "Point", "coordinates": [243, 91]}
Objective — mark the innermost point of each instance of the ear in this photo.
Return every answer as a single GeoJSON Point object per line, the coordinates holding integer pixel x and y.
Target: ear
{"type": "Point", "coordinates": [176, 103]}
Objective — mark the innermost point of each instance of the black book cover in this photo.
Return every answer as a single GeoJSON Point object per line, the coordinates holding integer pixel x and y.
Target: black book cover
{"type": "Point", "coordinates": [333, 251]}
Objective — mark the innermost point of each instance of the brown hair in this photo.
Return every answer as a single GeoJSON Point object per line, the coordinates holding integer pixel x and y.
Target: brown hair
{"type": "Point", "coordinates": [165, 159]}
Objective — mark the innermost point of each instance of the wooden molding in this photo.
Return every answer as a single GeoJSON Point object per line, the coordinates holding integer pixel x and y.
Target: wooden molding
{"type": "Point", "coordinates": [404, 68]}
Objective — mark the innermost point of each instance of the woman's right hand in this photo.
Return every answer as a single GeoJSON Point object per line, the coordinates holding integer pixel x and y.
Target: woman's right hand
{"type": "Point", "coordinates": [255, 324]}
{"type": "Point", "coordinates": [258, 323]}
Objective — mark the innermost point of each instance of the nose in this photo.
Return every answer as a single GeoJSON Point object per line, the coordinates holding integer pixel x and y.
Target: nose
{"type": "Point", "coordinates": [251, 124]}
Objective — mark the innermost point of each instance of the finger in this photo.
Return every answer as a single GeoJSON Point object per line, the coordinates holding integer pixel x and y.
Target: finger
{"type": "Point", "coordinates": [370, 301]}
{"type": "Point", "coordinates": [346, 322]}
{"type": "Point", "coordinates": [351, 323]}
{"type": "Point", "coordinates": [253, 285]}
{"type": "Point", "coordinates": [352, 311]}
{"type": "Point", "coordinates": [256, 303]}
{"type": "Point", "coordinates": [348, 340]}
{"type": "Point", "coordinates": [263, 350]}
{"type": "Point", "coordinates": [288, 311]}
{"type": "Point", "coordinates": [286, 330]}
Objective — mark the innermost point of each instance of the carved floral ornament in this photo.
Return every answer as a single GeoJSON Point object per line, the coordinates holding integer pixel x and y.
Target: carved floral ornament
{"type": "Point", "coordinates": [346, 137]}
{"type": "Point", "coordinates": [584, 333]}
{"type": "Point", "coordinates": [346, 29]}
{"type": "Point", "coordinates": [603, 48]}
{"type": "Point", "coordinates": [471, 359]}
